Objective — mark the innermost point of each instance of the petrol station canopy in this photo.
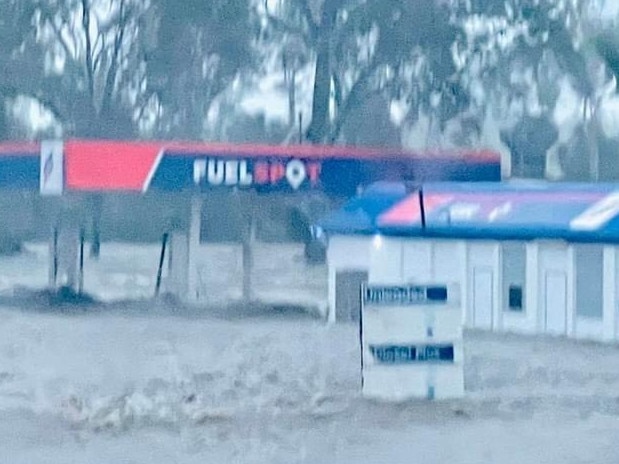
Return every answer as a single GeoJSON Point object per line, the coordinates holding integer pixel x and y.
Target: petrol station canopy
{"type": "Point", "coordinates": [56, 167]}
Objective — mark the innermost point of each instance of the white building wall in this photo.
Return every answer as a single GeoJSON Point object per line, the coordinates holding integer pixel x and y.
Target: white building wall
{"type": "Point", "coordinates": [589, 290]}
{"type": "Point", "coordinates": [417, 260]}
{"type": "Point", "coordinates": [549, 281]}
{"type": "Point", "coordinates": [386, 260]}
{"type": "Point", "coordinates": [392, 260]}
{"type": "Point", "coordinates": [533, 317]}
{"type": "Point", "coordinates": [483, 285]}
{"type": "Point", "coordinates": [555, 295]}
{"type": "Point", "coordinates": [518, 273]}
{"type": "Point", "coordinates": [345, 253]}
{"type": "Point", "coordinates": [349, 252]}
{"type": "Point", "coordinates": [448, 258]}
{"type": "Point", "coordinates": [420, 261]}
{"type": "Point", "coordinates": [611, 293]}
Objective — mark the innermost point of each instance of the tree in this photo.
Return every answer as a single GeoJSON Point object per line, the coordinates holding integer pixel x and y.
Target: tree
{"type": "Point", "coordinates": [125, 68]}
{"type": "Point", "coordinates": [92, 80]}
{"type": "Point", "coordinates": [193, 51]}
{"type": "Point", "coordinates": [514, 63]}
{"type": "Point", "coordinates": [4, 130]}
{"type": "Point", "coordinates": [14, 32]}
{"type": "Point", "coordinates": [606, 45]}
{"type": "Point", "coordinates": [529, 141]}
{"type": "Point", "coordinates": [79, 62]}
{"type": "Point", "coordinates": [363, 48]}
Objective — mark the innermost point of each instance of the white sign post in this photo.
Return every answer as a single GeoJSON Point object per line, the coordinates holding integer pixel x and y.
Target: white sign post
{"type": "Point", "coordinates": [51, 176]}
{"type": "Point", "coordinates": [411, 342]}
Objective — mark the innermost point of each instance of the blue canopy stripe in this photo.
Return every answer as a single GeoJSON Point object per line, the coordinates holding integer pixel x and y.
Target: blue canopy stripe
{"type": "Point", "coordinates": [493, 210]}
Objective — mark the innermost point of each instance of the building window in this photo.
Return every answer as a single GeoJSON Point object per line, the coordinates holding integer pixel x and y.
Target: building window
{"type": "Point", "coordinates": [515, 298]}
{"type": "Point", "coordinates": [514, 263]}
{"type": "Point", "coordinates": [589, 263]}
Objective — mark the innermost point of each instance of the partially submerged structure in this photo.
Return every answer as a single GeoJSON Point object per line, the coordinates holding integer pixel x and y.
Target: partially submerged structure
{"type": "Point", "coordinates": [194, 195]}
{"type": "Point", "coordinates": [529, 257]}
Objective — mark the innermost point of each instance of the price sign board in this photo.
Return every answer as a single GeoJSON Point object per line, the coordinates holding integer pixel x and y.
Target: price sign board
{"type": "Point", "coordinates": [411, 341]}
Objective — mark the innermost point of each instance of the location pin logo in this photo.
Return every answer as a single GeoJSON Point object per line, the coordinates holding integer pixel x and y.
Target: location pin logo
{"type": "Point", "coordinates": [296, 173]}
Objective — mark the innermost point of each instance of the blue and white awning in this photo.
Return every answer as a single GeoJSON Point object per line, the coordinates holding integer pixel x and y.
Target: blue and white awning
{"type": "Point", "coordinates": [569, 211]}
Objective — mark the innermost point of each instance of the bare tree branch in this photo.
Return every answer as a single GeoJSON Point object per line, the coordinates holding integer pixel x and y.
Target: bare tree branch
{"type": "Point", "coordinates": [287, 28]}
{"type": "Point", "coordinates": [306, 11]}
{"type": "Point", "coordinates": [89, 58]}
{"type": "Point", "coordinates": [146, 101]}
{"type": "Point", "coordinates": [50, 20]}
{"type": "Point", "coordinates": [99, 51]}
{"type": "Point", "coordinates": [110, 78]}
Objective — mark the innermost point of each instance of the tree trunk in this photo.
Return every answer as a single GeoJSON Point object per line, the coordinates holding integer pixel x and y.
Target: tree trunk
{"type": "Point", "coordinates": [4, 126]}
{"type": "Point", "coordinates": [359, 93]}
{"type": "Point", "coordinates": [292, 98]}
{"type": "Point", "coordinates": [319, 127]}
{"type": "Point", "coordinates": [591, 132]}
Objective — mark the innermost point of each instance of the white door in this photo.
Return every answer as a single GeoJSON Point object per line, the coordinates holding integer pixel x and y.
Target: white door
{"type": "Point", "coordinates": [483, 298]}
{"type": "Point", "coordinates": [555, 297]}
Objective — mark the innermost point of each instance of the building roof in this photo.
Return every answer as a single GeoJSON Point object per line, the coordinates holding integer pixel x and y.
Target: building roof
{"type": "Point", "coordinates": [174, 166]}
{"type": "Point", "coordinates": [359, 215]}
{"type": "Point", "coordinates": [502, 211]}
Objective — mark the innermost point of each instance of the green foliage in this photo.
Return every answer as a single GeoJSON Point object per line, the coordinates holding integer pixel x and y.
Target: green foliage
{"type": "Point", "coordinates": [364, 48]}
{"type": "Point", "coordinates": [607, 47]}
{"type": "Point", "coordinates": [14, 22]}
{"type": "Point", "coordinates": [123, 61]}
{"type": "Point", "coordinates": [162, 64]}
{"type": "Point", "coordinates": [200, 48]}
